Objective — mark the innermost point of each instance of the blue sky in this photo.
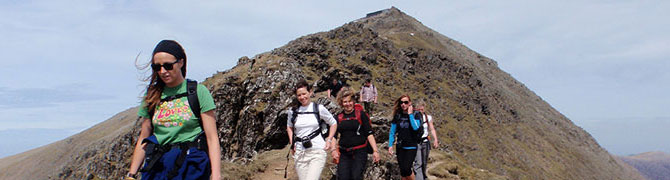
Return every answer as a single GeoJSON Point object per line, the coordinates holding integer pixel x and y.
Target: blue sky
{"type": "Point", "coordinates": [68, 65]}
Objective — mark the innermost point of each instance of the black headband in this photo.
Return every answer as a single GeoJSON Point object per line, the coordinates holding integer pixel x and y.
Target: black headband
{"type": "Point", "coordinates": [171, 47]}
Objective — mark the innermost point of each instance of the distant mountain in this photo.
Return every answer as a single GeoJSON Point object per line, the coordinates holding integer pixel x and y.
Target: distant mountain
{"type": "Point", "coordinates": [491, 126]}
{"type": "Point", "coordinates": [652, 165]}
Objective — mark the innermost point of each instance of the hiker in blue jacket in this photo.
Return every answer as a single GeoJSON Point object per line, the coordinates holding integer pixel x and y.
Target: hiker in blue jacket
{"type": "Point", "coordinates": [178, 137]}
{"type": "Point", "coordinates": [409, 130]}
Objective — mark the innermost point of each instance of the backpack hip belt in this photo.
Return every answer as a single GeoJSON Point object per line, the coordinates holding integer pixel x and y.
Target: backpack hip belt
{"type": "Point", "coordinates": [311, 136]}
{"type": "Point", "coordinates": [354, 148]}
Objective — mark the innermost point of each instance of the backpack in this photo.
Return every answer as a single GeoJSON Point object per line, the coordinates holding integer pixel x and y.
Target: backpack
{"type": "Point", "coordinates": [358, 109]}
{"type": "Point", "coordinates": [419, 132]}
{"type": "Point", "coordinates": [323, 126]}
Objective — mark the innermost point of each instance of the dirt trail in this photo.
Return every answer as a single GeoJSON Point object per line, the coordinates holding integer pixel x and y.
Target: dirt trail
{"type": "Point", "coordinates": [275, 168]}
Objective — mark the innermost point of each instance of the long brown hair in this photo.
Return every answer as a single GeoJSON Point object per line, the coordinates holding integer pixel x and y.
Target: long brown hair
{"type": "Point", "coordinates": [156, 85]}
{"type": "Point", "coordinates": [396, 107]}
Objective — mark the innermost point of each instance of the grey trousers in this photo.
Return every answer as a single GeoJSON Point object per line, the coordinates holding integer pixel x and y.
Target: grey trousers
{"type": "Point", "coordinates": [421, 160]}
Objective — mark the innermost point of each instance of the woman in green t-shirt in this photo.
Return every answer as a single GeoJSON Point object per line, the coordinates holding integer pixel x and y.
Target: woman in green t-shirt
{"type": "Point", "coordinates": [174, 141]}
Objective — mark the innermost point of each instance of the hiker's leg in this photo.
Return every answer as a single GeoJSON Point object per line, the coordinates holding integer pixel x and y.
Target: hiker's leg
{"type": "Point", "coordinates": [360, 160]}
{"type": "Point", "coordinates": [344, 167]}
{"type": "Point", "coordinates": [301, 163]}
{"type": "Point", "coordinates": [317, 159]}
{"type": "Point", "coordinates": [425, 151]}
{"type": "Point", "coordinates": [416, 167]}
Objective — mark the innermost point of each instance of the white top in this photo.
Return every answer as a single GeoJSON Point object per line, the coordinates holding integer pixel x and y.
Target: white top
{"type": "Point", "coordinates": [307, 123]}
{"type": "Point", "coordinates": [425, 126]}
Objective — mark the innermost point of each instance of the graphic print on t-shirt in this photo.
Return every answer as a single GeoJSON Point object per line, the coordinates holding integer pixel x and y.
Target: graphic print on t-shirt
{"type": "Point", "coordinates": [172, 113]}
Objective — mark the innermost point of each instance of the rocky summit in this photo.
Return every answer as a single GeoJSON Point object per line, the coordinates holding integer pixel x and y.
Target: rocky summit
{"type": "Point", "coordinates": [490, 125]}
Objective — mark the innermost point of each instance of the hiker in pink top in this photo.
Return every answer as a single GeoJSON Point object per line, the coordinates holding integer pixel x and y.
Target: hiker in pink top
{"type": "Point", "coordinates": [368, 95]}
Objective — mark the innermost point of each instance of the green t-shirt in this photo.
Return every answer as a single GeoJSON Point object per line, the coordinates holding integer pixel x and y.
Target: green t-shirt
{"type": "Point", "coordinates": [173, 121]}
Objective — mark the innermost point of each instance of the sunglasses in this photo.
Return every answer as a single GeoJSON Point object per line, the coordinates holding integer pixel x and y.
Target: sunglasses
{"type": "Point", "coordinates": [167, 66]}
{"type": "Point", "coordinates": [404, 102]}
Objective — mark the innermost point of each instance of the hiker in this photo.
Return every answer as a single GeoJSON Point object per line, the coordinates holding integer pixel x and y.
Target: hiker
{"type": "Point", "coordinates": [304, 127]}
{"type": "Point", "coordinates": [408, 128]}
{"type": "Point", "coordinates": [356, 139]}
{"type": "Point", "coordinates": [178, 135]}
{"type": "Point", "coordinates": [368, 95]}
{"type": "Point", "coordinates": [334, 87]}
{"type": "Point", "coordinates": [423, 150]}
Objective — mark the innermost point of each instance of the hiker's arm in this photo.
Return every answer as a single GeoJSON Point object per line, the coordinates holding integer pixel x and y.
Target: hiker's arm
{"type": "Point", "coordinates": [328, 92]}
{"type": "Point", "coordinates": [329, 139]}
{"type": "Point", "coordinates": [373, 144]}
{"type": "Point", "coordinates": [214, 148]}
{"type": "Point", "coordinates": [289, 131]}
{"type": "Point", "coordinates": [391, 137]}
{"type": "Point", "coordinates": [374, 90]}
{"type": "Point", "coordinates": [138, 152]}
{"type": "Point", "coordinates": [325, 115]}
{"type": "Point", "coordinates": [436, 142]}
{"type": "Point", "coordinates": [367, 126]}
{"type": "Point", "coordinates": [414, 122]}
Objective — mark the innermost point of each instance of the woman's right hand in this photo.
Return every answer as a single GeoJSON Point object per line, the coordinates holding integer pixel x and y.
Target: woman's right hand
{"type": "Point", "coordinates": [391, 151]}
{"type": "Point", "coordinates": [336, 156]}
{"type": "Point", "coordinates": [410, 109]}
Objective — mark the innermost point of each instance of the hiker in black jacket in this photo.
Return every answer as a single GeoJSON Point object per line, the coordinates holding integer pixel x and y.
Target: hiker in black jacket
{"type": "Point", "coordinates": [356, 138]}
{"type": "Point", "coordinates": [409, 130]}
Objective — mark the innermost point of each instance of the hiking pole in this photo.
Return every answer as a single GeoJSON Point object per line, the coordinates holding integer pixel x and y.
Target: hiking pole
{"type": "Point", "coordinates": [286, 167]}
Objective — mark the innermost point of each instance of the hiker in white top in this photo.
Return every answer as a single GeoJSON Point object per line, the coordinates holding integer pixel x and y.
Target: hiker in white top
{"type": "Point", "coordinates": [309, 150]}
{"type": "Point", "coordinates": [423, 149]}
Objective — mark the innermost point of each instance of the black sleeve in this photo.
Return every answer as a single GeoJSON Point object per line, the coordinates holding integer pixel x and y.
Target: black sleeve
{"type": "Point", "coordinates": [367, 127]}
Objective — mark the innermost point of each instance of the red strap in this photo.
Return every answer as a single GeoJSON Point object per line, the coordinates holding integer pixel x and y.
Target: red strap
{"type": "Point", "coordinates": [357, 147]}
{"type": "Point", "coordinates": [358, 109]}
{"type": "Point", "coordinates": [340, 117]}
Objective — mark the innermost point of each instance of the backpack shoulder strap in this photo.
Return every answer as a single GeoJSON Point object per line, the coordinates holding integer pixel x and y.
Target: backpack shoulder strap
{"type": "Point", "coordinates": [193, 102]}
{"type": "Point", "coordinates": [357, 112]}
{"type": "Point", "coordinates": [315, 108]}
{"type": "Point", "coordinates": [340, 117]}
{"type": "Point", "coordinates": [294, 115]}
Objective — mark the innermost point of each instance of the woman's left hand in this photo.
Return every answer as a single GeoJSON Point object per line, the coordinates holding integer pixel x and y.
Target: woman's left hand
{"type": "Point", "coordinates": [375, 156]}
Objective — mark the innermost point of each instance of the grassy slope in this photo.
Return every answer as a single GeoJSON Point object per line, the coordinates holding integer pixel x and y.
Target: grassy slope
{"type": "Point", "coordinates": [47, 161]}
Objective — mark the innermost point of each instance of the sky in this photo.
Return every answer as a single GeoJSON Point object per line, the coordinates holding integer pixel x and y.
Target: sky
{"type": "Point", "coordinates": [68, 65]}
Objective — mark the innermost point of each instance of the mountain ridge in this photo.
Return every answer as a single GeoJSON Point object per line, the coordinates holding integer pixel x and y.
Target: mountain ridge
{"type": "Point", "coordinates": [490, 125]}
{"type": "Point", "coordinates": [653, 165]}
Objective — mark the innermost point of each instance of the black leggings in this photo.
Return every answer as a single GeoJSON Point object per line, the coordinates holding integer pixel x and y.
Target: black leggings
{"type": "Point", "coordinates": [352, 164]}
{"type": "Point", "coordinates": [405, 159]}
